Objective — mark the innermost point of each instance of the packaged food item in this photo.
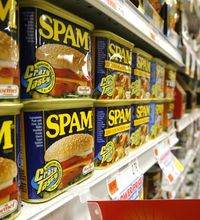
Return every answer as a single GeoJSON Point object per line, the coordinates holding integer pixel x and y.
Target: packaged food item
{"type": "Point", "coordinates": [141, 72]}
{"type": "Point", "coordinates": [112, 131]}
{"type": "Point", "coordinates": [180, 101]}
{"type": "Point", "coordinates": [168, 116]}
{"type": "Point", "coordinates": [112, 59]}
{"type": "Point", "coordinates": [9, 51]}
{"type": "Point", "coordinates": [57, 147]}
{"type": "Point", "coordinates": [156, 119]}
{"type": "Point", "coordinates": [59, 60]}
{"type": "Point", "coordinates": [10, 199]}
{"type": "Point", "coordinates": [191, 95]}
{"type": "Point", "coordinates": [139, 124]}
{"type": "Point", "coordinates": [170, 80]}
{"type": "Point", "coordinates": [158, 78]}
{"type": "Point", "coordinates": [152, 182]}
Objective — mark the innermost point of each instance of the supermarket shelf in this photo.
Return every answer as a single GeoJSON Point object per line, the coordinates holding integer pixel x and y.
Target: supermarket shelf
{"type": "Point", "coordinates": [187, 119]}
{"type": "Point", "coordinates": [174, 188]}
{"type": "Point", "coordinates": [94, 187]}
{"type": "Point", "coordinates": [124, 19]}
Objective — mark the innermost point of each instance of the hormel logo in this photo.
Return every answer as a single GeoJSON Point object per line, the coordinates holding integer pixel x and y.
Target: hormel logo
{"type": "Point", "coordinates": [9, 91]}
{"type": "Point", "coordinates": [8, 208]}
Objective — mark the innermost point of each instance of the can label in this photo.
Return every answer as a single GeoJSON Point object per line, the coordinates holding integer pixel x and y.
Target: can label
{"type": "Point", "coordinates": [160, 80]}
{"type": "Point", "coordinates": [9, 166]}
{"type": "Point", "coordinates": [168, 115]}
{"type": "Point", "coordinates": [9, 56]}
{"type": "Point", "coordinates": [140, 77]}
{"type": "Point", "coordinates": [170, 81]}
{"type": "Point", "coordinates": [139, 124]}
{"type": "Point", "coordinates": [156, 119]}
{"type": "Point", "coordinates": [153, 87]}
{"type": "Point", "coordinates": [57, 151]}
{"type": "Point", "coordinates": [111, 134]}
{"type": "Point", "coordinates": [59, 60]}
{"type": "Point", "coordinates": [112, 70]}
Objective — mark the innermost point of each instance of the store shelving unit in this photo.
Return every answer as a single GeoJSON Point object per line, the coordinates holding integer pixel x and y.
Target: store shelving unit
{"type": "Point", "coordinates": [95, 187]}
{"type": "Point", "coordinates": [123, 18]}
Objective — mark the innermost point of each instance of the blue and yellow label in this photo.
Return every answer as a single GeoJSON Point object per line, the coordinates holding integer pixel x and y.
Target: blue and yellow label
{"type": "Point", "coordinates": [47, 178]}
{"type": "Point", "coordinates": [112, 72]}
{"type": "Point", "coordinates": [111, 134]}
{"type": "Point", "coordinates": [39, 77]}
{"type": "Point", "coordinates": [140, 77]}
{"type": "Point", "coordinates": [139, 124]}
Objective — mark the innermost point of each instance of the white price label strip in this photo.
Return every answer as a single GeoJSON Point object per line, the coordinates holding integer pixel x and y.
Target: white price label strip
{"type": "Point", "coordinates": [126, 184]}
{"type": "Point", "coordinates": [170, 165]}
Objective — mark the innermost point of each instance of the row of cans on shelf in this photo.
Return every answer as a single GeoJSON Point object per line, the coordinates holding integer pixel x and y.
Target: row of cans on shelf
{"type": "Point", "coordinates": [62, 56]}
{"type": "Point", "coordinates": [48, 146]}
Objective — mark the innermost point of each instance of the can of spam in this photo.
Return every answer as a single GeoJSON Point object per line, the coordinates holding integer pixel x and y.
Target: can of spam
{"type": "Point", "coordinates": [112, 60]}
{"type": "Point", "coordinates": [10, 199]}
{"type": "Point", "coordinates": [59, 60]}
{"type": "Point", "coordinates": [139, 124]}
{"type": "Point", "coordinates": [141, 72]}
{"type": "Point", "coordinates": [112, 131]}
{"type": "Point", "coordinates": [156, 119]}
{"type": "Point", "coordinates": [170, 81]}
{"type": "Point", "coordinates": [9, 51]}
{"type": "Point", "coordinates": [57, 147]}
{"type": "Point", "coordinates": [168, 115]}
{"type": "Point", "coordinates": [158, 78]}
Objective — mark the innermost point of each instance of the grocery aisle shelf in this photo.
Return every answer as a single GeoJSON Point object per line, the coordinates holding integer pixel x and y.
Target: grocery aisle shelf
{"type": "Point", "coordinates": [129, 16]}
{"type": "Point", "coordinates": [187, 119]}
{"type": "Point", "coordinates": [94, 187]}
{"type": "Point", "coordinates": [187, 162]}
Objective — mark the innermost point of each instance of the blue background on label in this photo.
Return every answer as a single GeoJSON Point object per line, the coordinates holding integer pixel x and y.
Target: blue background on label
{"type": "Point", "coordinates": [152, 116]}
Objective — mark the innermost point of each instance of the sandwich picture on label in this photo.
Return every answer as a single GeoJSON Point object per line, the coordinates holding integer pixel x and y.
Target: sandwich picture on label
{"type": "Point", "coordinates": [75, 153]}
{"type": "Point", "coordinates": [8, 188]}
{"type": "Point", "coordinates": [71, 67]}
{"type": "Point", "coordinates": [9, 57]}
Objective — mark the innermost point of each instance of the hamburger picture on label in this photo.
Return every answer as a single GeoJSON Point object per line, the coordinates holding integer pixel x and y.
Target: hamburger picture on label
{"type": "Point", "coordinates": [8, 187]}
{"type": "Point", "coordinates": [72, 69]}
{"type": "Point", "coordinates": [9, 72]}
{"type": "Point", "coordinates": [75, 154]}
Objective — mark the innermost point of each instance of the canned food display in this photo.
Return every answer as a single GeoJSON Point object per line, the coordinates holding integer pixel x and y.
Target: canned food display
{"type": "Point", "coordinates": [141, 73]}
{"type": "Point", "coordinates": [112, 131]}
{"type": "Point", "coordinates": [9, 51]}
{"type": "Point", "coordinates": [139, 124]}
{"type": "Point", "coordinates": [112, 60]}
{"type": "Point", "coordinates": [10, 199]}
{"type": "Point", "coordinates": [57, 147]}
{"type": "Point", "coordinates": [59, 60]}
{"type": "Point", "coordinates": [170, 81]}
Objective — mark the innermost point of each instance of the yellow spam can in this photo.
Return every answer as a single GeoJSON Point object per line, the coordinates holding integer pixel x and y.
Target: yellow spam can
{"type": "Point", "coordinates": [57, 147]}
{"type": "Point", "coordinates": [10, 162]}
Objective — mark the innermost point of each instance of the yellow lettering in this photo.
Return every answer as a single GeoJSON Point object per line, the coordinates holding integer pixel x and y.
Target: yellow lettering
{"type": "Point", "coordinates": [69, 34]}
{"type": "Point", "coordinates": [74, 123]}
{"type": "Point", "coordinates": [39, 175]}
{"type": "Point", "coordinates": [118, 116]}
{"type": "Point", "coordinates": [59, 28]}
{"type": "Point", "coordinates": [44, 20]}
{"type": "Point", "coordinates": [82, 40]}
{"type": "Point", "coordinates": [86, 120]}
{"type": "Point", "coordinates": [53, 126]}
{"type": "Point", "coordinates": [65, 120]}
{"type": "Point", "coordinates": [5, 132]}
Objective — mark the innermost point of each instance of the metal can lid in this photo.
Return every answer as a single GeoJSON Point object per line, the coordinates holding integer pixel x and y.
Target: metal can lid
{"type": "Point", "coordinates": [142, 53]}
{"type": "Point", "coordinates": [57, 11]}
{"type": "Point", "coordinates": [110, 35]}
{"type": "Point", "coordinates": [9, 108]}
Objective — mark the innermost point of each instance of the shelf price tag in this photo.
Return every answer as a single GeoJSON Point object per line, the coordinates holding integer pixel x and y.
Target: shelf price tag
{"type": "Point", "coordinates": [127, 184]}
{"type": "Point", "coordinates": [170, 165]}
{"type": "Point", "coordinates": [116, 5]}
